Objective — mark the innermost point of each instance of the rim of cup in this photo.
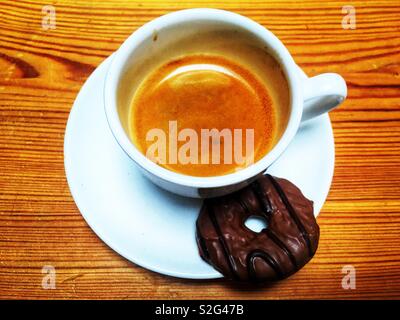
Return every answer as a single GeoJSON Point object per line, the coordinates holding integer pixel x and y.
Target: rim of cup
{"type": "Point", "coordinates": [276, 48]}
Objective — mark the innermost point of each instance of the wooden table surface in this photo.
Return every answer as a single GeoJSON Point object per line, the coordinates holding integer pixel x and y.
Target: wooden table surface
{"type": "Point", "coordinates": [41, 72]}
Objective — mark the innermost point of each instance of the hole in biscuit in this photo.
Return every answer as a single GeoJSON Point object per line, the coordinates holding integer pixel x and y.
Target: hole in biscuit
{"type": "Point", "coordinates": [256, 223]}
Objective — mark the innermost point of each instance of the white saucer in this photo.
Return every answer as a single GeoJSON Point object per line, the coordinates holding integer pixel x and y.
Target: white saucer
{"type": "Point", "coordinates": [151, 227]}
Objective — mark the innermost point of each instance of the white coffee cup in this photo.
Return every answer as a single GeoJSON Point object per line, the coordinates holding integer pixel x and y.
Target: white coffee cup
{"type": "Point", "coordinates": [309, 97]}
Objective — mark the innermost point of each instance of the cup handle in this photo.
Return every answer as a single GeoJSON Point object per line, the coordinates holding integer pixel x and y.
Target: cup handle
{"type": "Point", "coordinates": [322, 93]}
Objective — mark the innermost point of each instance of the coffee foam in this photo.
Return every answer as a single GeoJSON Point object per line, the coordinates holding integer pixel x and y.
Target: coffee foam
{"type": "Point", "coordinates": [188, 79]}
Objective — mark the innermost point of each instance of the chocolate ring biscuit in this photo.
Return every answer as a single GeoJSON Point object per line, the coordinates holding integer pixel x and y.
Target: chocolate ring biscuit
{"type": "Point", "coordinates": [287, 243]}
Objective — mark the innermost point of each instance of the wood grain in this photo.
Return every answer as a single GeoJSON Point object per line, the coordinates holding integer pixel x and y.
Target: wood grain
{"type": "Point", "coordinates": [41, 72]}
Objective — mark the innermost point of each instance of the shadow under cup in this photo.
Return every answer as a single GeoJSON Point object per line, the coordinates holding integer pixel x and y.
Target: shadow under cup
{"type": "Point", "coordinates": [221, 38]}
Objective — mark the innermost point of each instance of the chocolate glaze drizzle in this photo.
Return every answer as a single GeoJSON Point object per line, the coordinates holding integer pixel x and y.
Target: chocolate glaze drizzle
{"type": "Point", "coordinates": [262, 199]}
{"type": "Point", "coordinates": [283, 247]}
{"type": "Point", "coordinates": [267, 258]}
{"type": "Point", "coordinates": [230, 260]}
{"type": "Point", "coordinates": [267, 211]}
{"type": "Point", "coordinates": [292, 212]}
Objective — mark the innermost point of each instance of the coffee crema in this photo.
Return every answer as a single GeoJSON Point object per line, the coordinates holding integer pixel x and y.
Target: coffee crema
{"type": "Point", "coordinates": [204, 92]}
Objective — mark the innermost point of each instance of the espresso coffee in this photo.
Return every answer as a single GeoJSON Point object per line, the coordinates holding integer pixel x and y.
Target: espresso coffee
{"type": "Point", "coordinates": [207, 115]}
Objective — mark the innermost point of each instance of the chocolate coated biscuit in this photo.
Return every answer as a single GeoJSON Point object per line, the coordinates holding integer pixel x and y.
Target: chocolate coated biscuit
{"type": "Point", "coordinates": [287, 243]}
